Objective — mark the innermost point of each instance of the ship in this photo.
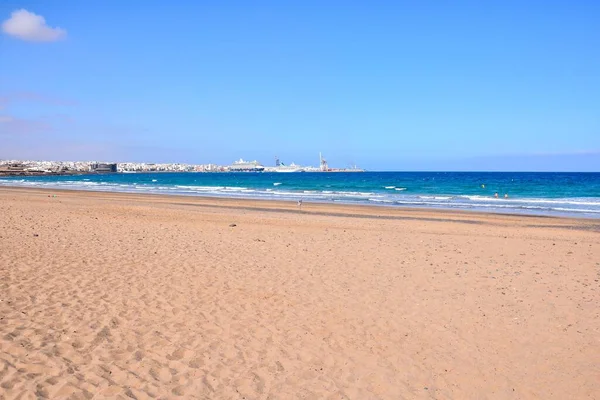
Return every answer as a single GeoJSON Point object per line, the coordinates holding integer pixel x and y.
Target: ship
{"type": "Point", "coordinates": [246, 166]}
{"type": "Point", "coordinates": [281, 167]}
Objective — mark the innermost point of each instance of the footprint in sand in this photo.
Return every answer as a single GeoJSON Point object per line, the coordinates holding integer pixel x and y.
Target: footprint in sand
{"type": "Point", "coordinates": [176, 355]}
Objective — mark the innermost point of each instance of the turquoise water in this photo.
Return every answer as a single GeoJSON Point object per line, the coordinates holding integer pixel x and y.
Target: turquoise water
{"type": "Point", "coordinates": [574, 194]}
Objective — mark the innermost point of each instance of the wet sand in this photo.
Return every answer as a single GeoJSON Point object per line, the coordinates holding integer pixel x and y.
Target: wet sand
{"type": "Point", "coordinates": [141, 296]}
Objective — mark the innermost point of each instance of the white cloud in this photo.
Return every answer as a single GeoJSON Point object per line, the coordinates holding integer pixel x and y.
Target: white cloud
{"type": "Point", "coordinates": [26, 25]}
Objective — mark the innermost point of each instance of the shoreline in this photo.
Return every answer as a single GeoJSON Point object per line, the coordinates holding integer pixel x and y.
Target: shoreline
{"type": "Point", "coordinates": [347, 205]}
{"type": "Point", "coordinates": [315, 208]}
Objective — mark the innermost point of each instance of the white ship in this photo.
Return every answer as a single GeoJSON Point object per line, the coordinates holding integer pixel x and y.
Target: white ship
{"type": "Point", "coordinates": [281, 167]}
{"type": "Point", "coordinates": [246, 166]}
{"type": "Point", "coordinates": [289, 168]}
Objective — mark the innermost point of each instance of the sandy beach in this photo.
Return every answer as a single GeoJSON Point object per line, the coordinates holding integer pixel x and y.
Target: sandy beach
{"type": "Point", "coordinates": [142, 296]}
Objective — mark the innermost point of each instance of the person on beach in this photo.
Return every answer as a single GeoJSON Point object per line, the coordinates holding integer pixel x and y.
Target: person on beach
{"type": "Point", "coordinates": [506, 195]}
{"type": "Point", "coordinates": [300, 204]}
{"type": "Point", "coordinates": [496, 195]}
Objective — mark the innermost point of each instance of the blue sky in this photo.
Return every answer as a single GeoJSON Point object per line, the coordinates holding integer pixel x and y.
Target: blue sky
{"type": "Point", "coordinates": [416, 85]}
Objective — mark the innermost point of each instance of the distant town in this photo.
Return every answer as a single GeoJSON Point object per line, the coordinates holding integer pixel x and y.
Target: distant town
{"type": "Point", "coordinates": [34, 167]}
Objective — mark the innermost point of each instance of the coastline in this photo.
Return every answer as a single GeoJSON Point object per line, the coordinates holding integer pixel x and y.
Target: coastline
{"type": "Point", "coordinates": [377, 208]}
{"type": "Point", "coordinates": [315, 208]}
{"type": "Point", "coordinates": [141, 295]}
{"type": "Point", "coordinates": [554, 194]}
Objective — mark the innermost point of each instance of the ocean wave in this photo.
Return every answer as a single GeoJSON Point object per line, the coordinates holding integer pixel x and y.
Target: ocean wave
{"type": "Point", "coordinates": [211, 188]}
{"type": "Point", "coordinates": [382, 201]}
{"type": "Point", "coordinates": [435, 197]}
{"type": "Point", "coordinates": [391, 196]}
{"type": "Point", "coordinates": [505, 206]}
{"type": "Point", "coordinates": [566, 200]}
{"type": "Point", "coordinates": [577, 210]}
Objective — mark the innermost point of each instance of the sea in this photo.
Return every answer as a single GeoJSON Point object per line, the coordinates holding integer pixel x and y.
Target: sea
{"type": "Point", "coordinates": [535, 193]}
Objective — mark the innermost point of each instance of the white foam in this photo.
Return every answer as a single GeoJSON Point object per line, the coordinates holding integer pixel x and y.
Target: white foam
{"type": "Point", "coordinates": [576, 210]}
{"type": "Point", "coordinates": [392, 196]}
{"type": "Point", "coordinates": [566, 200]}
{"type": "Point", "coordinates": [382, 201]}
{"type": "Point", "coordinates": [435, 197]}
